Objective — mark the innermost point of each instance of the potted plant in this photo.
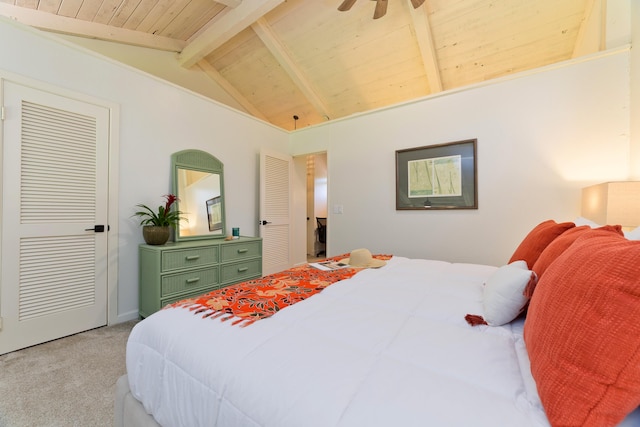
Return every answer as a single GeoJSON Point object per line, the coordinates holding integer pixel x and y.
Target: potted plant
{"type": "Point", "coordinates": [156, 226]}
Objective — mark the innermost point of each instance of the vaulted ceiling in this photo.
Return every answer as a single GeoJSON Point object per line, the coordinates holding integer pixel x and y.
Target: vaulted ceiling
{"type": "Point", "coordinates": [304, 58]}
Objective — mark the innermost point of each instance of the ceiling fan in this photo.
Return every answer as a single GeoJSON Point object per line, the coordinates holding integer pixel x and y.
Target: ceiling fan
{"type": "Point", "coordinates": [381, 6]}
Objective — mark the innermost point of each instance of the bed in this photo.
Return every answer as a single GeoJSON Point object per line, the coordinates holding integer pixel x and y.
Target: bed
{"type": "Point", "coordinates": [413, 343]}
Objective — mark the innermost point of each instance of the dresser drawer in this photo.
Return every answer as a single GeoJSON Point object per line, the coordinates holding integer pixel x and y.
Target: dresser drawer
{"type": "Point", "coordinates": [241, 250]}
{"type": "Point", "coordinates": [176, 298]}
{"type": "Point", "coordinates": [189, 281]}
{"type": "Point", "coordinates": [180, 270]}
{"type": "Point", "coordinates": [189, 258]}
{"type": "Point", "coordinates": [239, 271]}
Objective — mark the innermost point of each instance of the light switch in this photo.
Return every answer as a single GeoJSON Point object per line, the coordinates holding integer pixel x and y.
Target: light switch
{"type": "Point", "coordinates": [337, 209]}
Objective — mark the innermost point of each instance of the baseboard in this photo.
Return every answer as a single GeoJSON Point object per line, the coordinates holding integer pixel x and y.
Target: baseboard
{"type": "Point", "coordinates": [125, 317]}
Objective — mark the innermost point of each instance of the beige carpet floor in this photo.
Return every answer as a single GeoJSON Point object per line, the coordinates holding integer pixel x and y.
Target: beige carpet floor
{"type": "Point", "coordinates": [66, 382]}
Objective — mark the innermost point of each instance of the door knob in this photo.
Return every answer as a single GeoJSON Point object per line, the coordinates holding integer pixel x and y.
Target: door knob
{"type": "Point", "coordinates": [263, 222]}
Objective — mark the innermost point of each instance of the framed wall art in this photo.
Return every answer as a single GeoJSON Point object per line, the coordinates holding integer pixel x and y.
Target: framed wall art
{"type": "Point", "coordinates": [214, 213]}
{"type": "Point", "coordinates": [441, 176]}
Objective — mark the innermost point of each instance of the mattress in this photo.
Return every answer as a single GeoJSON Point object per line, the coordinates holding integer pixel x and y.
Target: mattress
{"type": "Point", "coordinates": [388, 346]}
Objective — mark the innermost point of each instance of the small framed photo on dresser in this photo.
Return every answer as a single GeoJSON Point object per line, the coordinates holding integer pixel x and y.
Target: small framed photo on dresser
{"type": "Point", "coordinates": [214, 213]}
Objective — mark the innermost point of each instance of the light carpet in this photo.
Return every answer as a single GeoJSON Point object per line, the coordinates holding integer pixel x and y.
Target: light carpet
{"type": "Point", "coordinates": [66, 382]}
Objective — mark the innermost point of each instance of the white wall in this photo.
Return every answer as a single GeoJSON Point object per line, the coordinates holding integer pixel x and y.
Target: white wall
{"type": "Point", "coordinates": [634, 16]}
{"type": "Point", "coordinates": [542, 136]}
{"type": "Point", "coordinates": [320, 186]}
{"type": "Point", "coordinates": [156, 119]}
{"type": "Point", "coordinates": [161, 64]}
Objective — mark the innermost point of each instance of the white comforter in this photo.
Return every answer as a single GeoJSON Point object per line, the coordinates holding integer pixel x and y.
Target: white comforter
{"type": "Point", "coordinates": [388, 347]}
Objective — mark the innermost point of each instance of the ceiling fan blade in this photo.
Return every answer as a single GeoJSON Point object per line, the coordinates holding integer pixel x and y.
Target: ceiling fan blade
{"type": "Point", "coordinates": [381, 9]}
{"type": "Point", "coordinates": [346, 5]}
{"type": "Point", "coordinates": [417, 3]}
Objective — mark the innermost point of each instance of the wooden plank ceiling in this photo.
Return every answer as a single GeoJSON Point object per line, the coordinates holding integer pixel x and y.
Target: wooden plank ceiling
{"type": "Point", "coordinates": [304, 58]}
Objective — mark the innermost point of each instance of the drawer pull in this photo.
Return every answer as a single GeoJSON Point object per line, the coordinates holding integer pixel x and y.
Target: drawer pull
{"type": "Point", "coordinates": [193, 280]}
{"type": "Point", "coordinates": [242, 269]}
{"type": "Point", "coordinates": [192, 257]}
{"type": "Point", "coordinates": [242, 251]}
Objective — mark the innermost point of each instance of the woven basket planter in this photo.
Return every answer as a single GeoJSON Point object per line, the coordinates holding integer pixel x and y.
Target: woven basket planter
{"type": "Point", "coordinates": [155, 235]}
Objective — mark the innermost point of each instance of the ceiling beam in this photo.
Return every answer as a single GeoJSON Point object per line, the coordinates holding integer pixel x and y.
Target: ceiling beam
{"type": "Point", "coordinates": [222, 28]}
{"type": "Point", "coordinates": [420, 21]}
{"type": "Point", "coordinates": [591, 34]}
{"type": "Point", "coordinates": [230, 3]}
{"type": "Point", "coordinates": [76, 27]}
{"type": "Point", "coordinates": [215, 75]}
{"type": "Point", "coordinates": [285, 59]}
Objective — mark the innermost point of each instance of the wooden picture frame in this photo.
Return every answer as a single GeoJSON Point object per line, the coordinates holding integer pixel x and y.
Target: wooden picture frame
{"type": "Point", "coordinates": [442, 176]}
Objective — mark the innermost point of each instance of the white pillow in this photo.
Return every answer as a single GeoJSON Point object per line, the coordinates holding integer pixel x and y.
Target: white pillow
{"type": "Point", "coordinates": [522, 264]}
{"type": "Point", "coordinates": [633, 234]}
{"type": "Point", "coordinates": [584, 221]}
{"type": "Point", "coordinates": [503, 297]}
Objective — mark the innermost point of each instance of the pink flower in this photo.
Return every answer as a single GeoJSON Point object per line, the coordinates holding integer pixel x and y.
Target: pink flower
{"type": "Point", "coordinates": [171, 199]}
{"type": "Point", "coordinates": [163, 217]}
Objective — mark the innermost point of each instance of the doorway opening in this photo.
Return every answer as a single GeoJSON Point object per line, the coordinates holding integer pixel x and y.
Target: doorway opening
{"type": "Point", "coordinates": [317, 196]}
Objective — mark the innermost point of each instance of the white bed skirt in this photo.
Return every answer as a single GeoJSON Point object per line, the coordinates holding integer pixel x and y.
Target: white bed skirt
{"type": "Point", "coordinates": [128, 411]}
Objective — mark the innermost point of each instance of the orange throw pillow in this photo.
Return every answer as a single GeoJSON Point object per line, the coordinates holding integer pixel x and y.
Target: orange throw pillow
{"type": "Point", "coordinates": [562, 242]}
{"type": "Point", "coordinates": [537, 240]}
{"type": "Point", "coordinates": [582, 332]}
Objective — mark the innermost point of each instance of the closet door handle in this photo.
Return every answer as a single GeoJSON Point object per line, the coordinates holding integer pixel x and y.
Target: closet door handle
{"type": "Point", "coordinates": [97, 228]}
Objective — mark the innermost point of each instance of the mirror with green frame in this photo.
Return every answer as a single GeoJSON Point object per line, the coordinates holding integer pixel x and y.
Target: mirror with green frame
{"type": "Point", "coordinates": [198, 181]}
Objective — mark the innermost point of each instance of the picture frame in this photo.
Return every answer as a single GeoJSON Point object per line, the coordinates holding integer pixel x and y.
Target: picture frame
{"type": "Point", "coordinates": [214, 213]}
{"type": "Point", "coordinates": [441, 176]}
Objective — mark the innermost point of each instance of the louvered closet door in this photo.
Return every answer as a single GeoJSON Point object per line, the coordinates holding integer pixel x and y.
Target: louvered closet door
{"type": "Point", "coordinates": [275, 210]}
{"type": "Point", "coordinates": [55, 190]}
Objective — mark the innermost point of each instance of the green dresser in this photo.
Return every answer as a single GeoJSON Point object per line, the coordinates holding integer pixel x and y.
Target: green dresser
{"type": "Point", "coordinates": [175, 271]}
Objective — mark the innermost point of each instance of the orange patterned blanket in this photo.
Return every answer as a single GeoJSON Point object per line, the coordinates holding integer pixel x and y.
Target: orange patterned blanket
{"type": "Point", "coordinates": [257, 299]}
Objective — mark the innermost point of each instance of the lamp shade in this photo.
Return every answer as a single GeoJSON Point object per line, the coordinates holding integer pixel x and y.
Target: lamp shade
{"type": "Point", "coordinates": [613, 203]}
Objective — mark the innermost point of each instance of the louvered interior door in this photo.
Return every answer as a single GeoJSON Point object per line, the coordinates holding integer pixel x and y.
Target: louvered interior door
{"type": "Point", "coordinates": [55, 193]}
{"type": "Point", "coordinates": [275, 211]}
